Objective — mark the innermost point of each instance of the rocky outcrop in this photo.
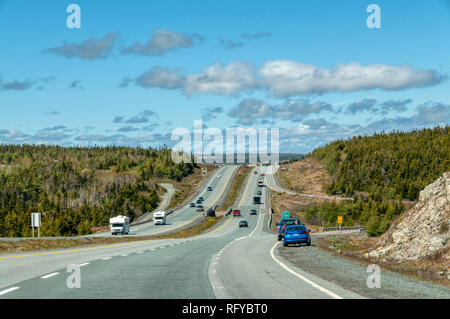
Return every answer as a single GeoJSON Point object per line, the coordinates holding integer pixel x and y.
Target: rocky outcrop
{"type": "Point", "coordinates": [423, 230]}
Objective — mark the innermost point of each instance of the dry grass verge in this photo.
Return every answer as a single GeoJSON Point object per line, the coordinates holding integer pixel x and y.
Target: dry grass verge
{"type": "Point", "coordinates": [189, 185]}
{"type": "Point", "coordinates": [236, 187]}
{"type": "Point", "coordinates": [10, 247]}
{"type": "Point", "coordinates": [353, 247]}
{"type": "Point", "coordinates": [295, 204]}
{"type": "Point", "coordinates": [305, 176]}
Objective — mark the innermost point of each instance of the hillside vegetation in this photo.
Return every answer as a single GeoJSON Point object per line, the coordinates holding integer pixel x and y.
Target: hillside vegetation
{"type": "Point", "coordinates": [77, 188]}
{"type": "Point", "coordinates": [379, 171]}
{"type": "Point", "coordinates": [393, 165]}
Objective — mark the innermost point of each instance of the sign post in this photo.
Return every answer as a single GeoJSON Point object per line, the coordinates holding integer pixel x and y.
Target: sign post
{"type": "Point", "coordinates": [36, 222]}
{"type": "Point", "coordinates": [340, 223]}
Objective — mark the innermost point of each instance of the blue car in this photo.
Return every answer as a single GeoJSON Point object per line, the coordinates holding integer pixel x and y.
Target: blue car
{"type": "Point", "coordinates": [287, 221]}
{"type": "Point", "coordinates": [296, 234]}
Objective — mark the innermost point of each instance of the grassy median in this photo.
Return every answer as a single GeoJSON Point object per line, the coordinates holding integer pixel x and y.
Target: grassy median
{"type": "Point", "coordinates": [236, 187]}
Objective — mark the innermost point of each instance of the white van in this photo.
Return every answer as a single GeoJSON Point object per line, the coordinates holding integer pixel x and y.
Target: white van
{"type": "Point", "coordinates": [159, 218]}
{"type": "Point", "coordinates": [119, 225]}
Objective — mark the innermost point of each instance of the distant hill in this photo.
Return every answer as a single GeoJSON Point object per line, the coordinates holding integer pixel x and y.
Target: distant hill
{"type": "Point", "coordinates": [392, 165]}
{"type": "Point", "coordinates": [247, 158]}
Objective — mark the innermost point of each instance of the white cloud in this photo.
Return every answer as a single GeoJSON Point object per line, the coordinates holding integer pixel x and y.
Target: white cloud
{"type": "Point", "coordinates": [163, 41]}
{"type": "Point", "coordinates": [223, 80]}
{"type": "Point", "coordinates": [286, 78]}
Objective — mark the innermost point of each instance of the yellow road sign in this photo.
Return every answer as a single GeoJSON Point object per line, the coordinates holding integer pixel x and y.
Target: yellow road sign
{"type": "Point", "coordinates": [339, 219]}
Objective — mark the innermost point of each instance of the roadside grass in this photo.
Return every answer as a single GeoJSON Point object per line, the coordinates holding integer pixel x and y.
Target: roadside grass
{"type": "Point", "coordinates": [10, 247]}
{"type": "Point", "coordinates": [353, 247]}
{"type": "Point", "coordinates": [305, 176]}
{"type": "Point", "coordinates": [236, 187]}
{"type": "Point", "coordinates": [297, 206]}
{"type": "Point", "coordinates": [186, 188]}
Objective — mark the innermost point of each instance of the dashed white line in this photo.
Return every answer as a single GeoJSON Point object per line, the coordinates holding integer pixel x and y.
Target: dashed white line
{"type": "Point", "coordinates": [106, 258]}
{"type": "Point", "coordinates": [8, 290]}
{"type": "Point", "coordinates": [50, 275]}
{"type": "Point", "coordinates": [124, 255]}
{"type": "Point", "coordinates": [81, 265]}
{"type": "Point", "coordinates": [140, 252]}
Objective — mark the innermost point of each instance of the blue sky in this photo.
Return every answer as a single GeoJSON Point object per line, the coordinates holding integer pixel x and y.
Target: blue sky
{"type": "Point", "coordinates": [138, 69]}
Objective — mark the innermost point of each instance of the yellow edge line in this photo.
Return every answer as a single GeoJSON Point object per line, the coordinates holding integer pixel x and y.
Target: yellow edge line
{"type": "Point", "coordinates": [72, 250]}
{"type": "Point", "coordinates": [116, 245]}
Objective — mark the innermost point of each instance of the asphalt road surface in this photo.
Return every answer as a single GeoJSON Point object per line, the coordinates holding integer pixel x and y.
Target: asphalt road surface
{"type": "Point", "coordinates": [186, 216]}
{"type": "Point", "coordinates": [225, 262]}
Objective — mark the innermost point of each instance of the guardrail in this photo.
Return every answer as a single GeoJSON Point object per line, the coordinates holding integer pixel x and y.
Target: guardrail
{"type": "Point", "coordinates": [344, 228]}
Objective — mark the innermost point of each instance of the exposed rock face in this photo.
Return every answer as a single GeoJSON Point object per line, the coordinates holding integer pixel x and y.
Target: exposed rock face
{"type": "Point", "coordinates": [423, 230]}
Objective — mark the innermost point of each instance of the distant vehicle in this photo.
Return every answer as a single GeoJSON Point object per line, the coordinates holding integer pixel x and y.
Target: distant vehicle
{"type": "Point", "coordinates": [256, 200]}
{"type": "Point", "coordinates": [296, 234]}
{"type": "Point", "coordinates": [119, 225]}
{"type": "Point", "coordinates": [256, 172]}
{"type": "Point", "coordinates": [218, 176]}
{"type": "Point", "coordinates": [287, 222]}
{"type": "Point", "coordinates": [262, 174]}
{"type": "Point", "coordinates": [259, 193]}
{"type": "Point", "coordinates": [209, 188]}
{"type": "Point", "coordinates": [253, 212]}
{"type": "Point", "coordinates": [200, 208]}
{"type": "Point", "coordinates": [198, 201]}
{"type": "Point", "coordinates": [243, 223]}
{"type": "Point", "coordinates": [159, 218]}
{"type": "Point", "coordinates": [201, 198]}
{"type": "Point", "coordinates": [236, 212]}
{"type": "Point", "coordinates": [260, 183]}
{"type": "Point", "coordinates": [192, 205]}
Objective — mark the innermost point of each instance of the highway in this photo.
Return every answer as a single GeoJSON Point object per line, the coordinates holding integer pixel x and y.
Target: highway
{"type": "Point", "coordinates": [185, 215]}
{"type": "Point", "coordinates": [225, 262]}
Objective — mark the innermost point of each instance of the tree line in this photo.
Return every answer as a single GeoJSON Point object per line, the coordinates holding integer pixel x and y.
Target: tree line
{"type": "Point", "coordinates": [78, 188]}
{"type": "Point", "coordinates": [381, 170]}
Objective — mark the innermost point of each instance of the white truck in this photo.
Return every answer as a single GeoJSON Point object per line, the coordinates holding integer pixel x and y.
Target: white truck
{"type": "Point", "coordinates": [119, 225]}
{"type": "Point", "coordinates": [159, 218]}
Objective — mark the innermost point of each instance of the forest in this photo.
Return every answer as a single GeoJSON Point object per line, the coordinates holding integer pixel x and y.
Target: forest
{"type": "Point", "coordinates": [374, 213]}
{"type": "Point", "coordinates": [380, 171]}
{"type": "Point", "coordinates": [79, 188]}
{"type": "Point", "coordinates": [395, 165]}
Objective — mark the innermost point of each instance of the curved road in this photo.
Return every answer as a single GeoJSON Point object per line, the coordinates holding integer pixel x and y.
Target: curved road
{"type": "Point", "coordinates": [225, 262]}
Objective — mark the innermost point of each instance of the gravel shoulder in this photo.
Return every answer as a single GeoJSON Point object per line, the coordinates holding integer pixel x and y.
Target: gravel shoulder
{"type": "Point", "coordinates": [353, 276]}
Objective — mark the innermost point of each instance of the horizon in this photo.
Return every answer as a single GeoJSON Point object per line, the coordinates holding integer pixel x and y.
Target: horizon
{"type": "Point", "coordinates": [122, 83]}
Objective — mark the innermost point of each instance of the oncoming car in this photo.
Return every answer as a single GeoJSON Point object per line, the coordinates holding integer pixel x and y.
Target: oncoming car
{"type": "Point", "coordinates": [296, 234]}
{"type": "Point", "coordinates": [243, 223]}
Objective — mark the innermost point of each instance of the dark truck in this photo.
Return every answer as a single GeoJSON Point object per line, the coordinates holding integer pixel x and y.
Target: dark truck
{"type": "Point", "coordinates": [256, 199]}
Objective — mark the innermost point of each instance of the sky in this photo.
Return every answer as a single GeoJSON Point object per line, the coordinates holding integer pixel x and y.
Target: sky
{"type": "Point", "coordinates": [137, 70]}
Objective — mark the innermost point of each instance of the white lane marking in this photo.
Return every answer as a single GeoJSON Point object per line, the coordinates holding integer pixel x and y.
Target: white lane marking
{"type": "Point", "coordinates": [81, 265]}
{"type": "Point", "coordinates": [106, 258]}
{"type": "Point", "coordinates": [50, 275]}
{"type": "Point", "coordinates": [153, 249]}
{"type": "Point", "coordinates": [124, 255]}
{"type": "Point", "coordinates": [140, 252]}
{"type": "Point", "coordinates": [324, 290]}
{"type": "Point", "coordinates": [8, 290]}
